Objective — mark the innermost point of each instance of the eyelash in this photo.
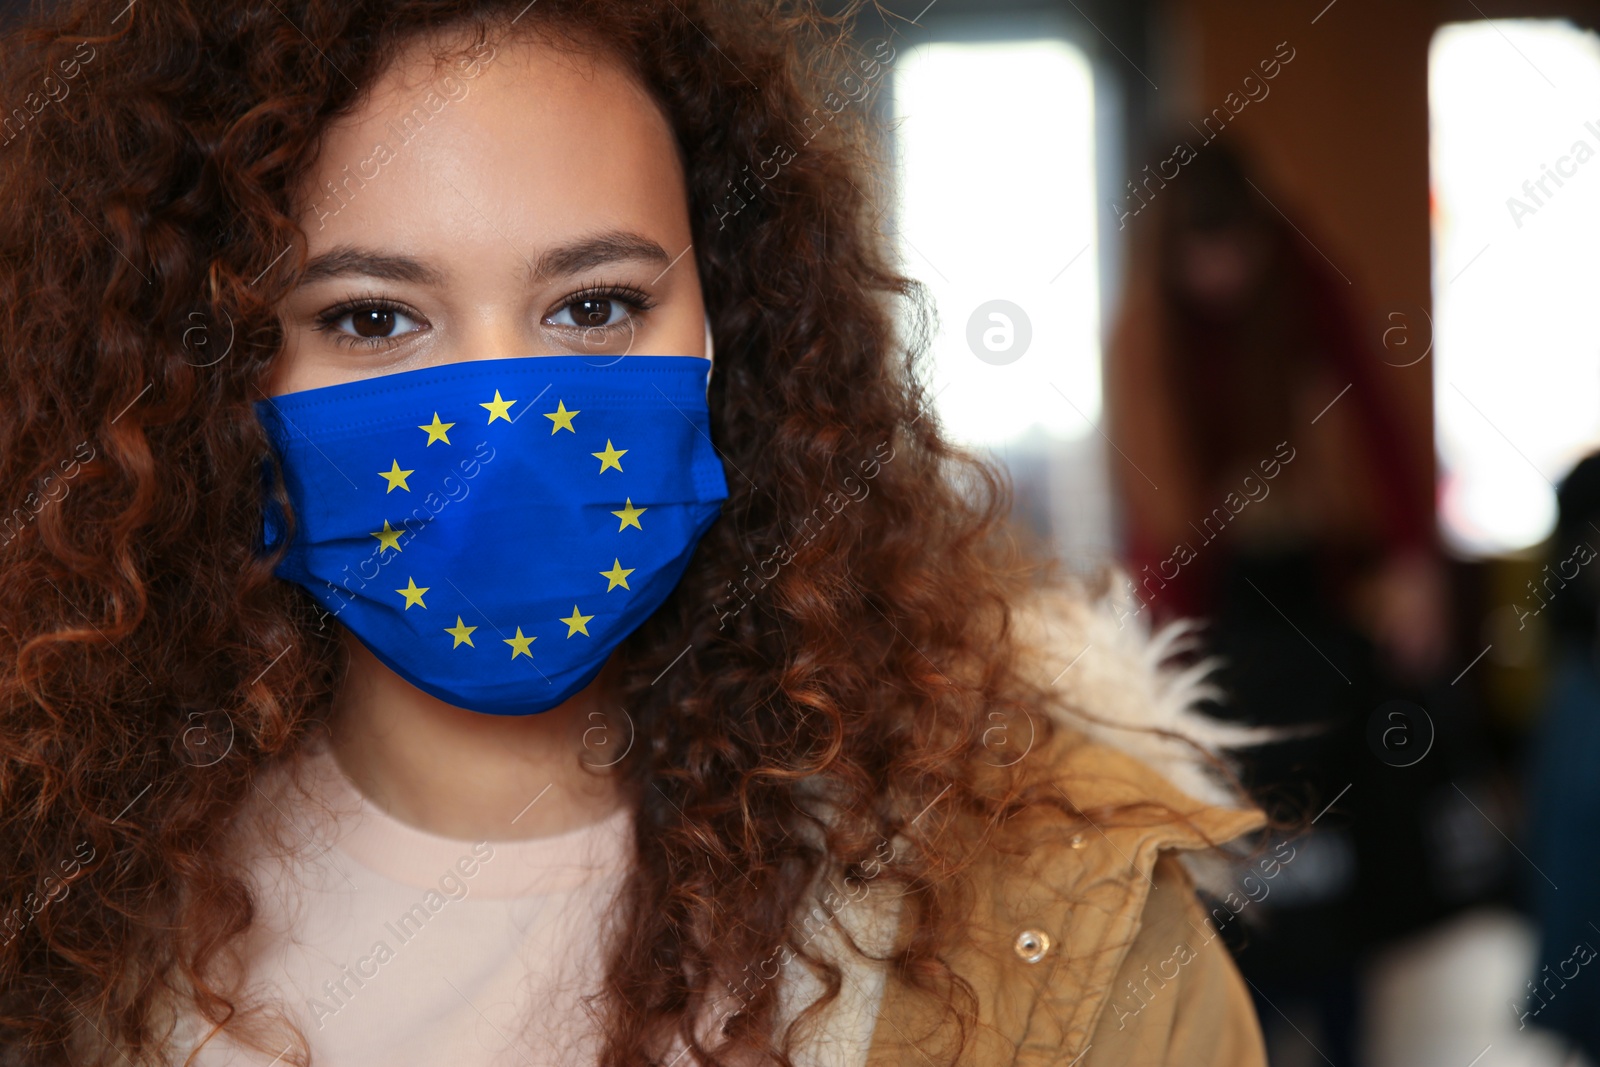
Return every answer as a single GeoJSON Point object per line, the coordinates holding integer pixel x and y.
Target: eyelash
{"type": "Point", "coordinates": [637, 300]}
{"type": "Point", "coordinates": [328, 321]}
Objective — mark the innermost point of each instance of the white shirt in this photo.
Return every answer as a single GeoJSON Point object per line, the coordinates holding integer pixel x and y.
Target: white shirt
{"type": "Point", "coordinates": [388, 944]}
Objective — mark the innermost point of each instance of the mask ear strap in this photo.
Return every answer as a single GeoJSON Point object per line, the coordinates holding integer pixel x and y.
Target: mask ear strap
{"type": "Point", "coordinates": [710, 348]}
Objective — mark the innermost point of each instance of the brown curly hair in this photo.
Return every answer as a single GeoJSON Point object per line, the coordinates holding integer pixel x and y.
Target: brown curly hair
{"type": "Point", "coordinates": [152, 667]}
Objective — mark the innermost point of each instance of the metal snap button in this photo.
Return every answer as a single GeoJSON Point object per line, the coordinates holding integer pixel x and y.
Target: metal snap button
{"type": "Point", "coordinates": [1078, 841]}
{"type": "Point", "coordinates": [1032, 945]}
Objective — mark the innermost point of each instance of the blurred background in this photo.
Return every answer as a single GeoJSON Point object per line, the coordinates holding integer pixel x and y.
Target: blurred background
{"type": "Point", "coordinates": [1293, 309]}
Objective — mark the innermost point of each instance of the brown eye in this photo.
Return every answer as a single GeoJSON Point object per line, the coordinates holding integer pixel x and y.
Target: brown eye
{"type": "Point", "coordinates": [368, 322]}
{"type": "Point", "coordinates": [590, 313]}
{"type": "Point", "coordinates": [594, 311]}
{"type": "Point", "coordinates": [374, 322]}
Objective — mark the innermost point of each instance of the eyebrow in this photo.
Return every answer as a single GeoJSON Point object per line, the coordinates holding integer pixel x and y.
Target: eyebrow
{"type": "Point", "coordinates": [611, 247]}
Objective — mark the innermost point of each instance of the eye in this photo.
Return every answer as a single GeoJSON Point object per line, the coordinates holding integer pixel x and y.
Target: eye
{"type": "Point", "coordinates": [590, 312]}
{"type": "Point", "coordinates": [599, 309]}
{"type": "Point", "coordinates": [368, 322]}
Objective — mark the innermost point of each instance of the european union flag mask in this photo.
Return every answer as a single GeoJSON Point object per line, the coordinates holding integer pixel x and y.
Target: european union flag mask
{"type": "Point", "coordinates": [493, 529]}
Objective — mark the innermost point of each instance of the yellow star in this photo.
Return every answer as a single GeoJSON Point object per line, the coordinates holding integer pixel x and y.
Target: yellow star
{"type": "Point", "coordinates": [609, 457]}
{"type": "Point", "coordinates": [461, 632]}
{"type": "Point", "coordinates": [413, 594]}
{"type": "Point", "coordinates": [436, 432]}
{"type": "Point", "coordinates": [629, 515]}
{"type": "Point", "coordinates": [618, 575]}
{"type": "Point", "coordinates": [498, 409]}
{"type": "Point", "coordinates": [388, 537]}
{"type": "Point", "coordinates": [519, 644]}
{"type": "Point", "coordinates": [396, 477]}
{"type": "Point", "coordinates": [578, 624]}
{"type": "Point", "coordinates": [561, 417]}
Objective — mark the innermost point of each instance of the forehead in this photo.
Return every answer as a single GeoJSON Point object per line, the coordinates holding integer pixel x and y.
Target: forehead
{"type": "Point", "coordinates": [526, 143]}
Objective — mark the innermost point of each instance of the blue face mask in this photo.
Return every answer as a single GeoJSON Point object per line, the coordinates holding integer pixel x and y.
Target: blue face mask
{"type": "Point", "coordinates": [493, 529]}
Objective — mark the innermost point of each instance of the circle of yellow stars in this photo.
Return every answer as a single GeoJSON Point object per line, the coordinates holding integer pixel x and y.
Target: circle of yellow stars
{"type": "Point", "coordinates": [499, 409]}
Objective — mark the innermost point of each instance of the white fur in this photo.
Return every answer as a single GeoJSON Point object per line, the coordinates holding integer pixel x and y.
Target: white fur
{"type": "Point", "coordinates": [1098, 650]}
{"type": "Point", "coordinates": [1119, 682]}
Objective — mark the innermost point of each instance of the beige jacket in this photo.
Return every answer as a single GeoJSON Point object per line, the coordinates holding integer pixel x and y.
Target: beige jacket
{"type": "Point", "coordinates": [1093, 949]}
{"type": "Point", "coordinates": [1090, 948]}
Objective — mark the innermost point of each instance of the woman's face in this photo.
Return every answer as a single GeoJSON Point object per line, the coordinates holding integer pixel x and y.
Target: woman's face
{"type": "Point", "coordinates": [1218, 269]}
{"type": "Point", "coordinates": [526, 202]}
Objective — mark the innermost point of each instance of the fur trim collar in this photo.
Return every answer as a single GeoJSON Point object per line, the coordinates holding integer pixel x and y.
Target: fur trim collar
{"type": "Point", "coordinates": [1122, 686]}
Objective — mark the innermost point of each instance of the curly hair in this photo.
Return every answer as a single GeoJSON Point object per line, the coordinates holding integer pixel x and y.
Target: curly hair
{"type": "Point", "coordinates": [846, 625]}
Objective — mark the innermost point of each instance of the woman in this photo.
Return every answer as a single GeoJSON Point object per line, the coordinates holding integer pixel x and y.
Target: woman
{"type": "Point", "coordinates": [437, 653]}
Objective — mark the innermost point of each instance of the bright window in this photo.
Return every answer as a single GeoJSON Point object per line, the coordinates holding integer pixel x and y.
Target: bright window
{"type": "Point", "coordinates": [996, 153]}
{"type": "Point", "coordinates": [996, 215]}
{"type": "Point", "coordinates": [1515, 156]}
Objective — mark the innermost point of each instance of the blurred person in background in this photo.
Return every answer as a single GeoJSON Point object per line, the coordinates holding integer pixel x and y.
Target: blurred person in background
{"type": "Point", "coordinates": [1563, 791]}
{"type": "Point", "coordinates": [1268, 489]}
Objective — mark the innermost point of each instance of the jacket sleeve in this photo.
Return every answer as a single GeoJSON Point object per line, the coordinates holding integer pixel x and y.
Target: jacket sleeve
{"type": "Point", "coordinates": [1177, 1000]}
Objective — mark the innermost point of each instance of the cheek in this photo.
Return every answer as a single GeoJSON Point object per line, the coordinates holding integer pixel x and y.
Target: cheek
{"type": "Point", "coordinates": [284, 375]}
{"type": "Point", "coordinates": [680, 328]}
